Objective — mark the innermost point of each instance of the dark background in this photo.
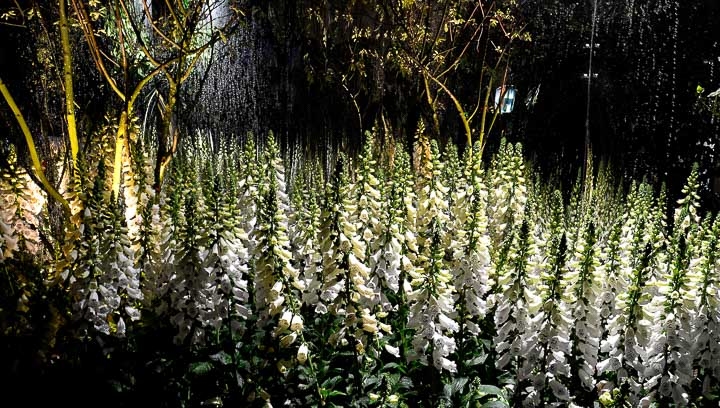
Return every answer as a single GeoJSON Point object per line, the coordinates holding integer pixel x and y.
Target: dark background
{"type": "Point", "coordinates": [645, 120]}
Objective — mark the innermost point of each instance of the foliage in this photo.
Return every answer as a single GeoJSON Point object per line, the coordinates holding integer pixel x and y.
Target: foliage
{"type": "Point", "coordinates": [463, 285]}
{"type": "Point", "coordinates": [446, 55]}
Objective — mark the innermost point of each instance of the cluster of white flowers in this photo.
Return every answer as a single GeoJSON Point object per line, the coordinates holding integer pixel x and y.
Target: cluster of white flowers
{"type": "Point", "coordinates": [582, 298]}
{"type": "Point", "coordinates": [390, 261]}
{"type": "Point", "coordinates": [277, 282]}
{"type": "Point", "coordinates": [507, 192]}
{"type": "Point", "coordinates": [431, 298]}
{"type": "Point", "coordinates": [574, 307]}
{"type": "Point", "coordinates": [367, 219]}
{"type": "Point", "coordinates": [21, 203]}
{"type": "Point", "coordinates": [348, 293]}
{"type": "Point", "coordinates": [471, 257]}
{"type": "Point", "coordinates": [119, 284]}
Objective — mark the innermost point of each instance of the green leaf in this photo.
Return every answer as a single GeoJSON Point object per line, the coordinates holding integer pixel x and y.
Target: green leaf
{"type": "Point", "coordinates": [448, 390]}
{"type": "Point", "coordinates": [331, 393]}
{"type": "Point", "coordinates": [495, 404]}
{"type": "Point", "coordinates": [370, 380]}
{"type": "Point", "coordinates": [490, 390]}
{"type": "Point", "coordinates": [477, 360]}
{"type": "Point", "coordinates": [458, 385]}
{"type": "Point", "coordinates": [330, 382]}
{"type": "Point", "coordinates": [396, 366]}
{"type": "Point", "coordinates": [405, 382]}
{"type": "Point", "coordinates": [201, 368]}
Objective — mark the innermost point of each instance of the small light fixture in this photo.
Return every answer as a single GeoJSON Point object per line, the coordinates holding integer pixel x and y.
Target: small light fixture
{"type": "Point", "coordinates": [507, 93]}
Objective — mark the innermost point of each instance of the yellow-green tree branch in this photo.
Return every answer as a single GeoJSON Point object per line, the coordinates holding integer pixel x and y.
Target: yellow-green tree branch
{"type": "Point", "coordinates": [68, 78]}
{"type": "Point", "coordinates": [117, 167]}
{"type": "Point", "coordinates": [483, 116]}
{"type": "Point", "coordinates": [31, 147]}
{"type": "Point", "coordinates": [431, 102]}
{"type": "Point", "coordinates": [458, 106]}
{"type": "Point", "coordinates": [95, 52]}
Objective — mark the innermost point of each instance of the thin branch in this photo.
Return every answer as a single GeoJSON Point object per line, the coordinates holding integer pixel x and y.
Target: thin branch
{"type": "Point", "coordinates": [194, 61]}
{"type": "Point", "coordinates": [155, 28]}
{"type": "Point", "coordinates": [95, 51]}
{"type": "Point", "coordinates": [354, 101]}
{"type": "Point", "coordinates": [33, 152]}
{"type": "Point", "coordinates": [480, 82]}
{"type": "Point", "coordinates": [458, 106]}
{"type": "Point", "coordinates": [12, 24]}
{"type": "Point", "coordinates": [171, 9]}
{"type": "Point", "coordinates": [67, 74]}
{"type": "Point", "coordinates": [138, 35]}
{"type": "Point", "coordinates": [121, 37]}
{"type": "Point", "coordinates": [431, 101]}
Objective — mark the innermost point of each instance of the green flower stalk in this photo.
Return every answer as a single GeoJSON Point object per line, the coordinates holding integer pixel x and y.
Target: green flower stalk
{"type": "Point", "coordinates": [517, 304]}
{"type": "Point", "coordinates": [550, 325]}
{"type": "Point", "coordinates": [345, 292]}
{"type": "Point", "coordinates": [391, 261]}
{"type": "Point", "coordinates": [471, 259]}
{"type": "Point", "coordinates": [188, 282]}
{"type": "Point", "coordinates": [628, 335]}
{"type": "Point", "coordinates": [669, 367]}
{"type": "Point", "coordinates": [142, 214]}
{"type": "Point", "coordinates": [248, 191]}
{"type": "Point", "coordinates": [367, 217]}
{"type": "Point", "coordinates": [277, 283]}
{"type": "Point", "coordinates": [171, 219]}
{"type": "Point", "coordinates": [613, 283]}
{"type": "Point", "coordinates": [120, 283]}
{"type": "Point", "coordinates": [705, 336]}
{"type": "Point", "coordinates": [20, 211]}
{"type": "Point", "coordinates": [305, 238]}
{"type": "Point", "coordinates": [453, 176]}
{"type": "Point", "coordinates": [629, 325]}
{"type": "Point", "coordinates": [86, 258]}
{"type": "Point", "coordinates": [507, 194]}
{"type": "Point", "coordinates": [431, 301]}
{"type": "Point", "coordinates": [226, 260]}
{"type": "Point", "coordinates": [582, 285]}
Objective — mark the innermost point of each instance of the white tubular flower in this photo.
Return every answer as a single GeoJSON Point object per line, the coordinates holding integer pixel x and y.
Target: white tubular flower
{"type": "Point", "coordinates": [393, 351]}
{"type": "Point", "coordinates": [369, 320]}
{"type": "Point", "coordinates": [276, 290]}
{"type": "Point", "coordinates": [331, 292]}
{"type": "Point", "coordinates": [297, 323]}
{"type": "Point", "coordinates": [442, 363]}
{"type": "Point", "coordinates": [559, 390]}
{"type": "Point", "coordinates": [120, 331]}
{"type": "Point", "coordinates": [288, 340]}
{"type": "Point", "coordinates": [133, 313]}
{"type": "Point", "coordinates": [447, 323]}
{"type": "Point", "coordinates": [285, 319]}
{"type": "Point", "coordinates": [302, 353]}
